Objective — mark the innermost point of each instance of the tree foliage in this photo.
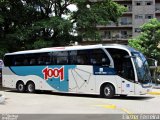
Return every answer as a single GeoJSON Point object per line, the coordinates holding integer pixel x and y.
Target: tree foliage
{"type": "Point", "coordinates": [149, 39]}
{"type": "Point", "coordinates": [30, 24]}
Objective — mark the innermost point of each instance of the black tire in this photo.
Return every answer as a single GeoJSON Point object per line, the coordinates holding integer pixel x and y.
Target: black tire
{"type": "Point", "coordinates": [107, 91]}
{"type": "Point", "coordinates": [30, 87]}
{"type": "Point", "coordinates": [20, 87]}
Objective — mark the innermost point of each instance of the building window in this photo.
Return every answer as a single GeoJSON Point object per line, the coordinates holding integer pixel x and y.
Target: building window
{"type": "Point", "coordinates": [106, 35]}
{"type": "Point", "coordinates": [124, 21]}
{"type": "Point", "coordinates": [138, 3]}
{"type": "Point", "coordinates": [126, 6]}
{"type": "Point", "coordinates": [129, 7]}
{"type": "Point", "coordinates": [137, 30]}
{"type": "Point", "coordinates": [148, 3]}
{"type": "Point", "coordinates": [148, 16]}
{"type": "Point", "coordinates": [139, 16]}
{"type": "Point", "coordinates": [124, 34]}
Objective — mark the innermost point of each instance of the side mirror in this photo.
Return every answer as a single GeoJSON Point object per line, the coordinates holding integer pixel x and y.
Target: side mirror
{"type": "Point", "coordinates": [152, 62]}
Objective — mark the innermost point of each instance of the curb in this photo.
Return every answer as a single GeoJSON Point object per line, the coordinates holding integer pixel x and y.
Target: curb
{"type": "Point", "coordinates": [154, 93]}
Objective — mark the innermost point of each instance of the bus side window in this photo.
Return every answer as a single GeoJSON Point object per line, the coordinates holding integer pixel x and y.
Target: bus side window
{"type": "Point", "coordinates": [99, 57]}
{"type": "Point", "coordinates": [16, 63]}
{"type": "Point", "coordinates": [18, 60]}
{"type": "Point", "coordinates": [32, 62]}
{"type": "Point", "coordinates": [80, 60]}
{"type": "Point", "coordinates": [93, 61]}
{"type": "Point", "coordinates": [72, 57]}
{"type": "Point", "coordinates": [61, 57]}
{"type": "Point", "coordinates": [48, 61]}
{"type": "Point", "coordinates": [83, 57]}
{"type": "Point", "coordinates": [72, 60]}
{"type": "Point", "coordinates": [41, 61]}
{"type": "Point", "coordinates": [25, 62]}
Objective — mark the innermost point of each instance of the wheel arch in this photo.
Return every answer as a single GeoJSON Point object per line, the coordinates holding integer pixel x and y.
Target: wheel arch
{"type": "Point", "coordinates": [31, 81]}
{"type": "Point", "coordinates": [107, 83]}
{"type": "Point", "coordinates": [19, 81]}
{"type": "Point", "coordinates": [29, 87]}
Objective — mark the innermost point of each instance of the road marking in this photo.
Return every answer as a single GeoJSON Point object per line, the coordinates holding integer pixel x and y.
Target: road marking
{"type": "Point", "coordinates": [154, 93]}
{"type": "Point", "coordinates": [126, 111]}
{"type": "Point", "coordinates": [112, 106]}
{"type": "Point", "coordinates": [109, 106]}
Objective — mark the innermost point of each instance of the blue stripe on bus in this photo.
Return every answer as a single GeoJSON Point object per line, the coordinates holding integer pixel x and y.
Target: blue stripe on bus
{"type": "Point", "coordinates": [55, 82]}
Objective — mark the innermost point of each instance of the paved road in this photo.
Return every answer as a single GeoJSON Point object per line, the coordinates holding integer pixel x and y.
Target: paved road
{"type": "Point", "coordinates": [53, 103]}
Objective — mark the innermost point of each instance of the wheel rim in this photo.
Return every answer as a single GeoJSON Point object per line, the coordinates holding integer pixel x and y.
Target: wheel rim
{"type": "Point", "coordinates": [30, 88]}
{"type": "Point", "coordinates": [107, 91]}
{"type": "Point", "coordinates": [20, 87]}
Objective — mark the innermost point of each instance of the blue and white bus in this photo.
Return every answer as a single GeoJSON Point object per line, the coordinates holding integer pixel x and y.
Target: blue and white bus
{"type": "Point", "coordinates": [107, 70]}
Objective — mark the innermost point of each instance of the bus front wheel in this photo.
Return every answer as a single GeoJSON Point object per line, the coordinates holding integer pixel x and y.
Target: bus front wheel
{"type": "Point", "coordinates": [30, 87]}
{"type": "Point", "coordinates": [107, 91]}
{"type": "Point", "coordinates": [20, 87]}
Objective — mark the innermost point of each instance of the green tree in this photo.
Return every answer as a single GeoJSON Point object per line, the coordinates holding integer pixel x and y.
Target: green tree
{"type": "Point", "coordinates": [148, 40]}
{"type": "Point", "coordinates": [90, 14]}
{"type": "Point", "coordinates": [31, 24]}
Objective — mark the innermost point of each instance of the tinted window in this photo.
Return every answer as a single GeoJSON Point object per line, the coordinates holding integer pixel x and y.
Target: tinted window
{"type": "Point", "coordinates": [99, 57]}
{"type": "Point", "coordinates": [122, 64]}
{"type": "Point", "coordinates": [74, 57]}
{"type": "Point", "coordinates": [28, 59]}
{"type": "Point", "coordinates": [60, 58]}
{"type": "Point", "coordinates": [89, 57]}
{"type": "Point", "coordinates": [79, 57]}
{"type": "Point", "coordinates": [8, 60]}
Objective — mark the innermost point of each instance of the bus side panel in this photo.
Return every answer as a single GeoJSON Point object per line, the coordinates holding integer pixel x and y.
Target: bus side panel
{"type": "Point", "coordinates": [82, 80]}
{"type": "Point", "coordinates": [44, 77]}
{"type": "Point", "coordinates": [141, 90]}
{"type": "Point", "coordinates": [10, 79]}
{"type": "Point", "coordinates": [7, 78]}
{"type": "Point", "coordinates": [101, 79]}
{"type": "Point", "coordinates": [126, 87]}
{"type": "Point", "coordinates": [119, 84]}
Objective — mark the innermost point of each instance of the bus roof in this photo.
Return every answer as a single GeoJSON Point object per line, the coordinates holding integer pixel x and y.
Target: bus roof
{"type": "Point", "coordinates": [120, 46]}
{"type": "Point", "coordinates": [77, 47]}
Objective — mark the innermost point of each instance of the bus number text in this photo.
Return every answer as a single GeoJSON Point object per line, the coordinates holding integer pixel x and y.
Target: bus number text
{"type": "Point", "coordinates": [56, 73]}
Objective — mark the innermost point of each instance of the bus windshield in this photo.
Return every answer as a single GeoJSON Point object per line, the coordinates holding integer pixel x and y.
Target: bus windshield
{"type": "Point", "coordinates": [142, 68]}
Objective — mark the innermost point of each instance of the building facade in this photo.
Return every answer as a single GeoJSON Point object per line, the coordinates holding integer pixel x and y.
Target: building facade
{"type": "Point", "coordinates": [139, 12]}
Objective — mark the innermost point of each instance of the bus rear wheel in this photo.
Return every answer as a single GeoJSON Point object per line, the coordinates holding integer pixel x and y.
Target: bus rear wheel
{"type": "Point", "coordinates": [107, 91]}
{"type": "Point", "coordinates": [30, 87]}
{"type": "Point", "coordinates": [20, 87]}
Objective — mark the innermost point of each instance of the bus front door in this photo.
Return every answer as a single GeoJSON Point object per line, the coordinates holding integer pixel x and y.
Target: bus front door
{"type": "Point", "coordinates": [128, 78]}
{"type": "Point", "coordinates": [127, 87]}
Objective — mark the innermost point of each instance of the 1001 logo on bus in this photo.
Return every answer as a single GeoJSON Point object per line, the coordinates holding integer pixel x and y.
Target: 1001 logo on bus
{"type": "Point", "coordinates": [53, 73]}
